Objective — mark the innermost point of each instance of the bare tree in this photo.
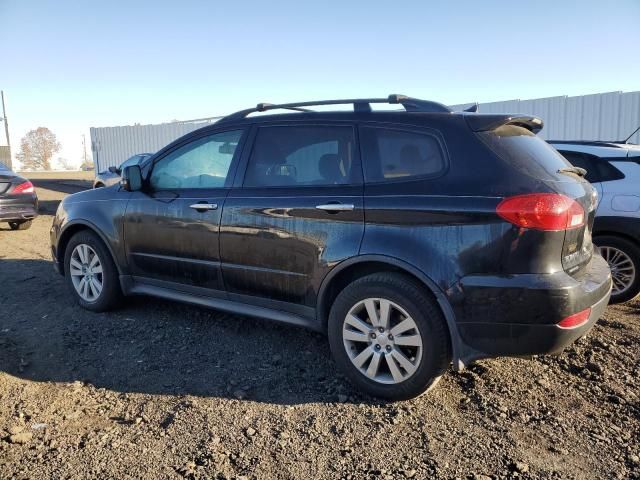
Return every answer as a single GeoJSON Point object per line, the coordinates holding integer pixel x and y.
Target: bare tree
{"type": "Point", "coordinates": [37, 148]}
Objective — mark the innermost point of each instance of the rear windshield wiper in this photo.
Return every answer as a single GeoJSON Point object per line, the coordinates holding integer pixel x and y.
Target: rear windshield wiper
{"type": "Point", "coordinates": [575, 170]}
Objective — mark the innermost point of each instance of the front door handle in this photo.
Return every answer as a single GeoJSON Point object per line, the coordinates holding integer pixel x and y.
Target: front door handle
{"type": "Point", "coordinates": [336, 207]}
{"type": "Point", "coordinates": [204, 206]}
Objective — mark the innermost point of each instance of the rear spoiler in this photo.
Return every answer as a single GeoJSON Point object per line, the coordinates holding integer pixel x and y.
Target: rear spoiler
{"type": "Point", "coordinates": [479, 122]}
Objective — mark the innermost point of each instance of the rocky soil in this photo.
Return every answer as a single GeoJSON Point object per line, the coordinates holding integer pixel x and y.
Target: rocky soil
{"type": "Point", "coordinates": [163, 390]}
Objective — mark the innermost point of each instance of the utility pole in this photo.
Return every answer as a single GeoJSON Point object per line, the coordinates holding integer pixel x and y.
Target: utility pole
{"type": "Point", "coordinates": [84, 150]}
{"type": "Point", "coordinates": [6, 127]}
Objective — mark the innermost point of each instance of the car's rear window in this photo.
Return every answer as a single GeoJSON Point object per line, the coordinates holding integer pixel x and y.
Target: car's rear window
{"type": "Point", "coordinates": [523, 149]}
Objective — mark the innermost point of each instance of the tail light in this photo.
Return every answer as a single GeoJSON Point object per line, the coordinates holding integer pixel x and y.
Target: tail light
{"type": "Point", "coordinates": [542, 211]}
{"type": "Point", "coordinates": [575, 320]}
{"type": "Point", "coordinates": [25, 187]}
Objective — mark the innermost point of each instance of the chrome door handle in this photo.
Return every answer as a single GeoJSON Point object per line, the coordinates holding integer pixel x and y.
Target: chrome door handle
{"type": "Point", "coordinates": [204, 206]}
{"type": "Point", "coordinates": [336, 207]}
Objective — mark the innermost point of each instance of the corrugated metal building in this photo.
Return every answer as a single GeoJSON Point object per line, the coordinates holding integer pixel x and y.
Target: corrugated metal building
{"type": "Point", "coordinates": [113, 145]}
{"type": "Point", "coordinates": [5, 158]}
{"type": "Point", "coordinates": [602, 116]}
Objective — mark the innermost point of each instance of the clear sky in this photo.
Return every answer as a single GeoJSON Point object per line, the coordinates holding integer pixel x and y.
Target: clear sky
{"type": "Point", "coordinates": [70, 65]}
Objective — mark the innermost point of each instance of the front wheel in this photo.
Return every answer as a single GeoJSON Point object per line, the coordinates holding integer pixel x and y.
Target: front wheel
{"type": "Point", "coordinates": [623, 257]}
{"type": "Point", "coordinates": [90, 273]}
{"type": "Point", "coordinates": [388, 336]}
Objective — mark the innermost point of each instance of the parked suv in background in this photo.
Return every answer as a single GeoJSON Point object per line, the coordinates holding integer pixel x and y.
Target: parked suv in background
{"type": "Point", "coordinates": [614, 169]}
{"type": "Point", "coordinates": [413, 238]}
{"type": "Point", "coordinates": [111, 176]}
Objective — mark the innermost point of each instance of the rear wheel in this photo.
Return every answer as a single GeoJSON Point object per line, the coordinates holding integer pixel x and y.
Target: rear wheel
{"type": "Point", "coordinates": [388, 336]}
{"type": "Point", "coordinates": [90, 272]}
{"type": "Point", "coordinates": [623, 257]}
{"type": "Point", "coordinates": [21, 225]}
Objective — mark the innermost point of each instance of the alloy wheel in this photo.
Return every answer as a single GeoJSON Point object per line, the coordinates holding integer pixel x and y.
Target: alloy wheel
{"type": "Point", "coordinates": [623, 271]}
{"type": "Point", "coordinates": [85, 269]}
{"type": "Point", "coordinates": [382, 340]}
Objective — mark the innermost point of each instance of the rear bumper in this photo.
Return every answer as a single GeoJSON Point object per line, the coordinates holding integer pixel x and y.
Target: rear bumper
{"type": "Point", "coordinates": [14, 209]}
{"type": "Point", "coordinates": [518, 315]}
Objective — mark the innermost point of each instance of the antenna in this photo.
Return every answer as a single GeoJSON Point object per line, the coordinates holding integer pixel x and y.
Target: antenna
{"type": "Point", "coordinates": [629, 137]}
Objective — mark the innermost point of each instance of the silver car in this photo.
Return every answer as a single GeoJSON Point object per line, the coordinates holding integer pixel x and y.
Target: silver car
{"type": "Point", "coordinates": [111, 176]}
{"type": "Point", "coordinates": [614, 169]}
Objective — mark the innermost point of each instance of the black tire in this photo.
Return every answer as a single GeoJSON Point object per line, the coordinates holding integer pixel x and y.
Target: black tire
{"type": "Point", "coordinates": [111, 294]}
{"type": "Point", "coordinates": [21, 225]}
{"type": "Point", "coordinates": [99, 185]}
{"type": "Point", "coordinates": [421, 306]}
{"type": "Point", "coordinates": [632, 250]}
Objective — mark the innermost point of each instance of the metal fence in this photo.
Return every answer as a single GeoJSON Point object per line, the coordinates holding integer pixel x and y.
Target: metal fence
{"type": "Point", "coordinates": [602, 116]}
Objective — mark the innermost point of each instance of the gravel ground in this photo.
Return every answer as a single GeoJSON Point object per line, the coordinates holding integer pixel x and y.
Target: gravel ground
{"type": "Point", "coordinates": [164, 390]}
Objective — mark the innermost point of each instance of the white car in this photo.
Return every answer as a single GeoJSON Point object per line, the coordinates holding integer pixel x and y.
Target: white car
{"type": "Point", "coordinates": [614, 169]}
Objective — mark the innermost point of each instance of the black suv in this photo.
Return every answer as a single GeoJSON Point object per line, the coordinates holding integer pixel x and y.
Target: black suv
{"type": "Point", "coordinates": [413, 238]}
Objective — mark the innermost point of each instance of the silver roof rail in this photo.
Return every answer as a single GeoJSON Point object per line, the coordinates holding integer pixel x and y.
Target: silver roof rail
{"type": "Point", "coordinates": [359, 105]}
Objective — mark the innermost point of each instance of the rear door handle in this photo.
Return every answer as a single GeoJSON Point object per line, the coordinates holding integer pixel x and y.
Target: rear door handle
{"type": "Point", "coordinates": [204, 206]}
{"type": "Point", "coordinates": [336, 207]}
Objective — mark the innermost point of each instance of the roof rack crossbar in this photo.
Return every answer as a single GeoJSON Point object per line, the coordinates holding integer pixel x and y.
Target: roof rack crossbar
{"type": "Point", "coordinates": [359, 105]}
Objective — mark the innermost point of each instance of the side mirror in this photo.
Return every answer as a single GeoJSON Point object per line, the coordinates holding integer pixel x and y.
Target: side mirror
{"type": "Point", "coordinates": [131, 178]}
{"type": "Point", "coordinates": [113, 169]}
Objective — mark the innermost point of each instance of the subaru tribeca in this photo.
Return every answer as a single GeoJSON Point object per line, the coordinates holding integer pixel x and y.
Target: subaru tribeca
{"type": "Point", "coordinates": [413, 238]}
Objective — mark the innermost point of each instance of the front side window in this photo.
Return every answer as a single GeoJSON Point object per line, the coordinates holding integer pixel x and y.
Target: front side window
{"type": "Point", "coordinates": [203, 163]}
{"type": "Point", "coordinates": [302, 156]}
{"type": "Point", "coordinates": [393, 154]}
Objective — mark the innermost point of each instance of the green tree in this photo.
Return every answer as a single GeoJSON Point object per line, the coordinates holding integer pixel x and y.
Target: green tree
{"type": "Point", "coordinates": [37, 148]}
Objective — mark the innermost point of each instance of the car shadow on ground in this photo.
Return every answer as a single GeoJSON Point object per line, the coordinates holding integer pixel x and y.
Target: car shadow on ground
{"type": "Point", "coordinates": [48, 207]}
{"type": "Point", "coordinates": [63, 185]}
{"type": "Point", "coordinates": [152, 346]}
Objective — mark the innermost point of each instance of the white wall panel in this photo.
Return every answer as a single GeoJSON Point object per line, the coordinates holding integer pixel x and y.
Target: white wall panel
{"type": "Point", "coordinates": [602, 116]}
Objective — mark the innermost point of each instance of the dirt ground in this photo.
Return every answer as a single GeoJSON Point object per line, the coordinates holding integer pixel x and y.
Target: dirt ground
{"type": "Point", "coordinates": [164, 390]}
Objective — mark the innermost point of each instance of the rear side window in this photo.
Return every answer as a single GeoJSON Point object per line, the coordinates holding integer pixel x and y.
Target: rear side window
{"type": "Point", "coordinates": [598, 169]}
{"type": "Point", "coordinates": [396, 155]}
{"type": "Point", "coordinates": [302, 156]}
{"type": "Point", "coordinates": [522, 148]}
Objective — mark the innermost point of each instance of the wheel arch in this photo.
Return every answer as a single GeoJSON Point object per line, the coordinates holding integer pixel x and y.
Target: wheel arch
{"type": "Point", "coordinates": [625, 227]}
{"type": "Point", "coordinates": [615, 233]}
{"type": "Point", "coordinates": [357, 267]}
{"type": "Point", "coordinates": [70, 230]}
